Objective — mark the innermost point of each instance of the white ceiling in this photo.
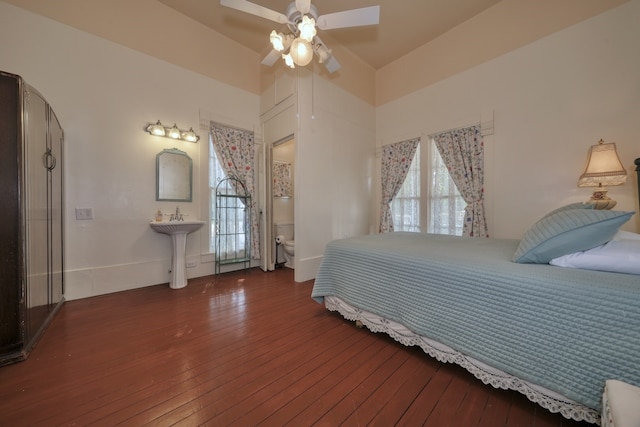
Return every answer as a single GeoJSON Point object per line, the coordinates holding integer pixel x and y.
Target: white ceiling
{"type": "Point", "coordinates": [404, 24]}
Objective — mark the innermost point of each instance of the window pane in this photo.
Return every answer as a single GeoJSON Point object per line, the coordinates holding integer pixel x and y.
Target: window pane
{"type": "Point", "coordinates": [216, 174]}
{"type": "Point", "coordinates": [405, 207]}
{"type": "Point", "coordinates": [446, 207]}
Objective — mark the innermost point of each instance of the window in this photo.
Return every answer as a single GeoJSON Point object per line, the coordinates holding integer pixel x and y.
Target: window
{"type": "Point", "coordinates": [216, 174]}
{"type": "Point", "coordinates": [231, 225]}
{"type": "Point", "coordinates": [405, 207]}
{"type": "Point", "coordinates": [446, 205]}
{"type": "Point", "coordinates": [428, 179]}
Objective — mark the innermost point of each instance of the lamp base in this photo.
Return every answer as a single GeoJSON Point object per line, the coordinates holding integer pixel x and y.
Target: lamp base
{"type": "Point", "coordinates": [601, 201]}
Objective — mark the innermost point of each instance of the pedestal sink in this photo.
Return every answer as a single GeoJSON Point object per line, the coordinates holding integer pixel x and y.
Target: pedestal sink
{"type": "Point", "coordinates": [178, 231]}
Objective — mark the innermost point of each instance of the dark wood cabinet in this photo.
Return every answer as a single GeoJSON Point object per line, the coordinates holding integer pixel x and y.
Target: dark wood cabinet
{"type": "Point", "coordinates": [31, 213]}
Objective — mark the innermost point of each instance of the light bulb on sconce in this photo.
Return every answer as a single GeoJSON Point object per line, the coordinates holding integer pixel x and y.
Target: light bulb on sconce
{"type": "Point", "coordinates": [174, 132]}
{"type": "Point", "coordinates": [158, 129]}
{"type": "Point", "coordinates": [190, 136]}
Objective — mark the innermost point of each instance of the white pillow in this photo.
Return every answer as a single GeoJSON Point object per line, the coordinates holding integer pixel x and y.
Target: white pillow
{"type": "Point", "coordinates": [626, 235]}
{"type": "Point", "coordinates": [620, 255]}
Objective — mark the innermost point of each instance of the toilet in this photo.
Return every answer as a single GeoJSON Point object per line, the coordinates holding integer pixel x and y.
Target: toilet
{"type": "Point", "coordinates": [286, 250]}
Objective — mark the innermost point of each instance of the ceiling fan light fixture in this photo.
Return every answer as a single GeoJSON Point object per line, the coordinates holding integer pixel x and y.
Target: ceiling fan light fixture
{"type": "Point", "coordinates": [324, 54]}
{"type": "Point", "coordinates": [288, 60]}
{"type": "Point", "coordinates": [307, 28]}
{"type": "Point", "coordinates": [303, 20]}
{"type": "Point", "coordinates": [277, 41]}
{"type": "Point", "coordinates": [301, 52]}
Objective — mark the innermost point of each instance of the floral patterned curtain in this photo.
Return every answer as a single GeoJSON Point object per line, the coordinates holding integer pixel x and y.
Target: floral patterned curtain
{"type": "Point", "coordinates": [281, 179]}
{"type": "Point", "coordinates": [234, 148]}
{"type": "Point", "coordinates": [462, 150]}
{"type": "Point", "coordinates": [396, 159]}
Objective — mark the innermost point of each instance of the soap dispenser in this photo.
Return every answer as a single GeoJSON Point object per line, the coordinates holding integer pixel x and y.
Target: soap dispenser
{"type": "Point", "coordinates": [159, 216]}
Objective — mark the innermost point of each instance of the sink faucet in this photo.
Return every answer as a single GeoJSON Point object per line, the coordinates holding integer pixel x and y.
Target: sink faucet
{"type": "Point", "coordinates": [177, 216]}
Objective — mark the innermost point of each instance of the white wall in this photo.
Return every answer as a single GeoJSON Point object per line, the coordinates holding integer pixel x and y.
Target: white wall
{"type": "Point", "coordinates": [334, 159]}
{"type": "Point", "coordinates": [335, 155]}
{"type": "Point", "coordinates": [104, 94]}
{"type": "Point", "coordinates": [550, 101]}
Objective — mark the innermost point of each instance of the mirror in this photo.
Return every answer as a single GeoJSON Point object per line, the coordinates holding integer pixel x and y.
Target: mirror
{"type": "Point", "coordinates": [173, 176]}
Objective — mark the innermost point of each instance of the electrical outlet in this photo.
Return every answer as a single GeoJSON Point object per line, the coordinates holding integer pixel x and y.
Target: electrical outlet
{"type": "Point", "coordinates": [84, 213]}
{"type": "Point", "coordinates": [191, 264]}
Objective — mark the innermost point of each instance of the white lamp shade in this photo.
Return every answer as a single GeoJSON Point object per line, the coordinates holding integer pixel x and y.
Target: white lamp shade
{"type": "Point", "coordinates": [301, 52]}
{"type": "Point", "coordinates": [603, 167]}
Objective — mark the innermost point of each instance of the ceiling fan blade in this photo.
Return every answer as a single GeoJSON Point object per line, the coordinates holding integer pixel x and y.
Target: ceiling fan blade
{"type": "Point", "coordinates": [350, 18]}
{"type": "Point", "coordinates": [255, 9]}
{"type": "Point", "coordinates": [325, 57]}
{"type": "Point", "coordinates": [303, 6]}
{"type": "Point", "coordinates": [271, 58]}
{"type": "Point", "coordinates": [332, 64]}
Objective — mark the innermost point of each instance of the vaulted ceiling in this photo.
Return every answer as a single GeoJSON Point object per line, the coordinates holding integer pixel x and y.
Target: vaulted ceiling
{"type": "Point", "coordinates": [416, 43]}
{"type": "Point", "coordinates": [404, 24]}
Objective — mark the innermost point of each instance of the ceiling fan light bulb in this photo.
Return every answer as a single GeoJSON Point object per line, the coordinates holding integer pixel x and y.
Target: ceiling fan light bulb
{"type": "Point", "coordinates": [301, 52]}
{"type": "Point", "coordinates": [277, 40]}
{"type": "Point", "coordinates": [307, 28]}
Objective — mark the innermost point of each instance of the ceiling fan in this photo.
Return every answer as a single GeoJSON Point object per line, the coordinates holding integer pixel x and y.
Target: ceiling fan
{"type": "Point", "coordinates": [298, 47]}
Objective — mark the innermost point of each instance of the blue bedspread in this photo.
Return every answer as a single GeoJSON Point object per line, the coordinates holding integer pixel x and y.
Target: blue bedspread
{"type": "Point", "coordinates": [565, 329]}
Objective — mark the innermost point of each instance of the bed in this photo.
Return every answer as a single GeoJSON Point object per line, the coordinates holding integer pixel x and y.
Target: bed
{"type": "Point", "coordinates": [554, 334]}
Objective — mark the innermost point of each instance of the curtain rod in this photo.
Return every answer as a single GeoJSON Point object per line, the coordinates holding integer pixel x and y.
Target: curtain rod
{"type": "Point", "coordinates": [211, 122]}
{"type": "Point", "coordinates": [486, 128]}
{"type": "Point", "coordinates": [431, 135]}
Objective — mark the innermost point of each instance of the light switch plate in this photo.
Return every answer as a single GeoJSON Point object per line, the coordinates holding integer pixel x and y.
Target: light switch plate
{"type": "Point", "coordinates": [84, 213]}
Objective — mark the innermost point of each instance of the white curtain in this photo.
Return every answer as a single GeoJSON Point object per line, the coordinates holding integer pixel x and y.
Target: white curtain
{"type": "Point", "coordinates": [396, 160]}
{"type": "Point", "coordinates": [234, 148]}
{"type": "Point", "coordinates": [462, 150]}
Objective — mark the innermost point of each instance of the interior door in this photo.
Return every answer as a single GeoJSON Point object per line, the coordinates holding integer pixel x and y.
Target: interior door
{"type": "Point", "coordinates": [36, 210]}
{"type": "Point", "coordinates": [267, 242]}
{"type": "Point", "coordinates": [54, 168]}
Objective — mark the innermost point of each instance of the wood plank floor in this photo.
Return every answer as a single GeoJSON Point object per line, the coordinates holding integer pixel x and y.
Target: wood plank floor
{"type": "Point", "coordinates": [245, 348]}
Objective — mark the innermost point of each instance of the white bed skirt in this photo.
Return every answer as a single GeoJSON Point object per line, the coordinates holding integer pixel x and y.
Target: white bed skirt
{"type": "Point", "coordinates": [548, 399]}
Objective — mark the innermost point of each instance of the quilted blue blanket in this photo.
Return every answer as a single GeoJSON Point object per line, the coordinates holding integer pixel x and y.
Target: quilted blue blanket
{"type": "Point", "coordinates": [567, 330]}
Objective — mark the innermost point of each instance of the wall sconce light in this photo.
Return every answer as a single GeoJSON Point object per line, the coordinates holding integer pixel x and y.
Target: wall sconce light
{"type": "Point", "coordinates": [603, 169]}
{"type": "Point", "coordinates": [158, 129]}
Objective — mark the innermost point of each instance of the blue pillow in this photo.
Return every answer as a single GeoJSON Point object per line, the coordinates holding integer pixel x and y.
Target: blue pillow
{"type": "Point", "coordinates": [578, 205]}
{"type": "Point", "coordinates": [566, 231]}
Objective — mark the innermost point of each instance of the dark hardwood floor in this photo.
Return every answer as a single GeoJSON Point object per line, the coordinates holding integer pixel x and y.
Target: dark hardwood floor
{"type": "Point", "coordinates": [245, 348]}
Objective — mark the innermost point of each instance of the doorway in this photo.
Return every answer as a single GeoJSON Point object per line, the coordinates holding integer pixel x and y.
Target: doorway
{"type": "Point", "coordinates": [280, 196]}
